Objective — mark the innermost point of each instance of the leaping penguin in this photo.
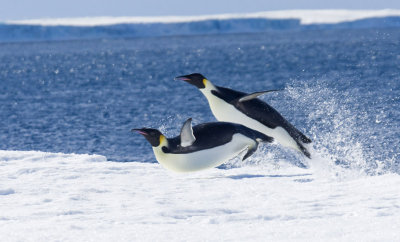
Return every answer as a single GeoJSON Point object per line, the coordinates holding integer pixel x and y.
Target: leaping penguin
{"type": "Point", "coordinates": [204, 146]}
{"type": "Point", "coordinates": [238, 107]}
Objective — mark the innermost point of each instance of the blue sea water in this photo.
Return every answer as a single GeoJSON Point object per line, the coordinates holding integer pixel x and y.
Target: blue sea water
{"type": "Point", "coordinates": [341, 88]}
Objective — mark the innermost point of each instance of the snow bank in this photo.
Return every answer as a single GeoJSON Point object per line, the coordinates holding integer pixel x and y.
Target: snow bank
{"type": "Point", "coordinates": [68, 197]}
{"type": "Point", "coordinates": [327, 16]}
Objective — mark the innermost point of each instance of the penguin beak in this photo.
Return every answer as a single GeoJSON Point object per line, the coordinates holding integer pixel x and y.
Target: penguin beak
{"type": "Point", "coordinates": [139, 131]}
{"type": "Point", "coordinates": [183, 78]}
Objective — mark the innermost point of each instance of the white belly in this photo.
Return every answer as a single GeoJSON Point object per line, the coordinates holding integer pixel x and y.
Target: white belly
{"type": "Point", "coordinates": [203, 159]}
{"type": "Point", "coordinates": [228, 113]}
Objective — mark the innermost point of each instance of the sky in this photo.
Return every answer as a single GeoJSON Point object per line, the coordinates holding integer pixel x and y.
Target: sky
{"type": "Point", "coordinates": [32, 9]}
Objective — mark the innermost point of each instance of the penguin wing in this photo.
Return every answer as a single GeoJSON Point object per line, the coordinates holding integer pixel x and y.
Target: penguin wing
{"type": "Point", "coordinates": [255, 95]}
{"type": "Point", "coordinates": [187, 136]}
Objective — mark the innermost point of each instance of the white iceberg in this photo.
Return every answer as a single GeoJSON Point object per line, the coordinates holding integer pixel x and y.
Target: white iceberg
{"type": "Point", "coordinates": [324, 16]}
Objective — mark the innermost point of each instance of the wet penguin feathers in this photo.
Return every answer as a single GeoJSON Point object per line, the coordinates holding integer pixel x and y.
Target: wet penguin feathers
{"type": "Point", "coordinates": [259, 110]}
{"type": "Point", "coordinates": [239, 107]}
{"type": "Point", "coordinates": [262, 112]}
{"type": "Point", "coordinates": [203, 146]}
{"type": "Point", "coordinates": [209, 135]}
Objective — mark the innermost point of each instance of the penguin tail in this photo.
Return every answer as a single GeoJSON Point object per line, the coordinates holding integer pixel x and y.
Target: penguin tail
{"type": "Point", "coordinates": [304, 150]}
{"type": "Point", "coordinates": [305, 139]}
{"type": "Point", "coordinates": [260, 137]}
{"type": "Point", "coordinates": [296, 134]}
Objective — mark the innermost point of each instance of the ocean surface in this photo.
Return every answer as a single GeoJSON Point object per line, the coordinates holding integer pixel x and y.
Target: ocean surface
{"type": "Point", "coordinates": [341, 88]}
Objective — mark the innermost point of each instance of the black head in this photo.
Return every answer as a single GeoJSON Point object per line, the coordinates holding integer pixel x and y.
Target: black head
{"type": "Point", "coordinates": [154, 136]}
{"type": "Point", "coordinates": [195, 79]}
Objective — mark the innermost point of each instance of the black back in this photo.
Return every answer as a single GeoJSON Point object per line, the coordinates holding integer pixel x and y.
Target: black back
{"type": "Point", "coordinates": [210, 135]}
{"type": "Point", "coordinates": [260, 111]}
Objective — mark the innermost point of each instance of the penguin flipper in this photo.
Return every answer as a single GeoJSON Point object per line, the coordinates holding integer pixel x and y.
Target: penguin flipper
{"type": "Point", "coordinates": [250, 150]}
{"type": "Point", "coordinates": [187, 136]}
{"type": "Point", "coordinates": [255, 95]}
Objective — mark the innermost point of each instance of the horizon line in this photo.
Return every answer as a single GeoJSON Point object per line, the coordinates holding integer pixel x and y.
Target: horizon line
{"type": "Point", "coordinates": [306, 16]}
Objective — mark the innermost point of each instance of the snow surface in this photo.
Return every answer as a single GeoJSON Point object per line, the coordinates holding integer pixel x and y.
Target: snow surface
{"type": "Point", "coordinates": [327, 16]}
{"type": "Point", "coordinates": [69, 197]}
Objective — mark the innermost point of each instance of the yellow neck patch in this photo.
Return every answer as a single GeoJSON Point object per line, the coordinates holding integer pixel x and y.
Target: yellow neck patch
{"type": "Point", "coordinates": [205, 82]}
{"type": "Point", "coordinates": [162, 139]}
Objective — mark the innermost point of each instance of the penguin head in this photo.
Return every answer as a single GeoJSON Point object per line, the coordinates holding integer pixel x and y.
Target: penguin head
{"type": "Point", "coordinates": [154, 136]}
{"type": "Point", "coordinates": [195, 79]}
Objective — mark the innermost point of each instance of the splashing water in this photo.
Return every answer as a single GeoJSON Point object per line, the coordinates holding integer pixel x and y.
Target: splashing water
{"type": "Point", "coordinates": [348, 139]}
{"type": "Point", "coordinates": [342, 129]}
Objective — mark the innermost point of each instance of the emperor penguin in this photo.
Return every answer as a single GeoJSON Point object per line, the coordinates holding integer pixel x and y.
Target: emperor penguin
{"type": "Point", "coordinates": [243, 108]}
{"type": "Point", "coordinates": [203, 146]}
